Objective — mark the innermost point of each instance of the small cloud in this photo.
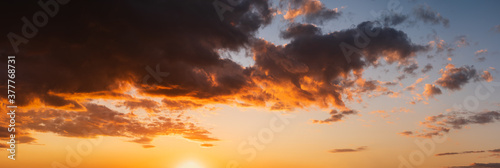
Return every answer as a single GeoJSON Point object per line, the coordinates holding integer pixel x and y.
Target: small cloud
{"type": "Point", "coordinates": [313, 11]}
{"type": "Point", "coordinates": [461, 41]}
{"type": "Point", "coordinates": [482, 51]}
{"type": "Point", "coordinates": [335, 116]}
{"type": "Point", "coordinates": [410, 69]}
{"type": "Point", "coordinates": [427, 68]}
{"type": "Point", "coordinates": [406, 133]}
{"type": "Point", "coordinates": [394, 19]}
{"type": "Point", "coordinates": [348, 150]}
{"type": "Point", "coordinates": [455, 78]}
{"type": "Point", "coordinates": [479, 165]}
{"type": "Point", "coordinates": [426, 14]}
{"type": "Point", "coordinates": [496, 28]}
{"type": "Point", "coordinates": [206, 145]}
{"type": "Point", "coordinates": [457, 153]}
{"type": "Point", "coordinates": [148, 146]}
{"type": "Point", "coordinates": [430, 90]}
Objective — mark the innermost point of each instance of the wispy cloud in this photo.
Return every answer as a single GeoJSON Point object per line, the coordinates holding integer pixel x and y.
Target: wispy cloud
{"type": "Point", "coordinates": [345, 150]}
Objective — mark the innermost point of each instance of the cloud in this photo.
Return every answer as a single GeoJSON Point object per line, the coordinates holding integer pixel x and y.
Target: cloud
{"type": "Point", "coordinates": [206, 145]}
{"type": "Point", "coordinates": [496, 28]}
{"type": "Point", "coordinates": [487, 76]}
{"type": "Point", "coordinates": [22, 137]}
{"type": "Point", "coordinates": [394, 19]}
{"type": "Point", "coordinates": [348, 150]}
{"type": "Point", "coordinates": [410, 69]}
{"type": "Point", "coordinates": [314, 11]}
{"type": "Point", "coordinates": [457, 153]}
{"type": "Point", "coordinates": [406, 133]}
{"type": "Point", "coordinates": [335, 116]}
{"type": "Point", "coordinates": [296, 30]}
{"type": "Point", "coordinates": [426, 14]}
{"type": "Point", "coordinates": [479, 165]}
{"type": "Point", "coordinates": [430, 90]}
{"type": "Point", "coordinates": [180, 104]}
{"type": "Point", "coordinates": [481, 51]}
{"type": "Point", "coordinates": [95, 59]}
{"type": "Point", "coordinates": [81, 62]}
{"type": "Point", "coordinates": [461, 41]}
{"type": "Point", "coordinates": [309, 71]}
{"type": "Point", "coordinates": [455, 78]}
{"type": "Point", "coordinates": [148, 105]}
{"type": "Point", "coordinates": [427, 68]}
{"type": "Point", "coordinates": [443, 123]}
{"type": "Point", "coordinates": [148, 146]}
{"type": "Point", "coordinates": [468, 152]}
{"type": "Point", "coordinates": [99, 120]}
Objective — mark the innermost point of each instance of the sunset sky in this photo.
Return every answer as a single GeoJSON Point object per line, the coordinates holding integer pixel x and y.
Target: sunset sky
{"type": "Point", "coordinates": [252, 83]}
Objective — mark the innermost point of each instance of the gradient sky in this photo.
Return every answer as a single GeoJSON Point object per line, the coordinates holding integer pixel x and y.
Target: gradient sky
{"type": "Point", "coordinates": [266, 86]}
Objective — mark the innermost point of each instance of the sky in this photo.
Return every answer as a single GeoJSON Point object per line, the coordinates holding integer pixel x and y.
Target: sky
{"type": "Point", "coordinates": [251, 83]}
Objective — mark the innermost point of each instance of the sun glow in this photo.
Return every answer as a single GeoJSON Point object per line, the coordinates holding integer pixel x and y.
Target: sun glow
{"type": "Point", "coordinates": [190, 164]}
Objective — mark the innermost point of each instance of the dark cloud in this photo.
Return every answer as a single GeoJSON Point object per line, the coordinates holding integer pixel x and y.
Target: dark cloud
{"type": "Point", "coordinates": [479, 165]}
{"type": "Point", "coordinates": [410, 69]}
{"type": "Point", "coordinates": [97, 50]}
{"type": "Point", "coordinates": [456, 153]}
{"type": "Point", "coordinates": [314, 73]}
{"type": "Point", "coordinates": [443, 123]}
{"type": "Point", "coordinates": [83, 56]}
{"type": "Point", "coordinates": [348, 150]}
{"type": "Point", "coordinates": [495, 150]}
{"type": "Point", "coordinates": [296, 30]}
{"type": "Point", "coordinates": [426, 14]}
{"type": "Point", "coordinates": [481, 59]}
{"type": "Point", "coordinates": [427, 68]}
{"type": "Point", "coordinates": [394, 19]}
{"type": "Point", "coordinates": [406, 133]}
{"type": "Point", "coordinates": [335, 116]}
{"type": "Point", "coordinates": [445, 154]}
{"type": "Point", "coordinates": [455, 78]}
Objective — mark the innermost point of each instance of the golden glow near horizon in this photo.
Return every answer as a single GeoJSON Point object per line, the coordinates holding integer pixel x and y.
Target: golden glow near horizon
{"type": "Point", "coordinates": [190, 164]}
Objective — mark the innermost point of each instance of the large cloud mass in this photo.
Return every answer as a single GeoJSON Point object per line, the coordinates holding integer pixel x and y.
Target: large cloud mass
{"type": "Point", "coordinates": [123, 53]}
